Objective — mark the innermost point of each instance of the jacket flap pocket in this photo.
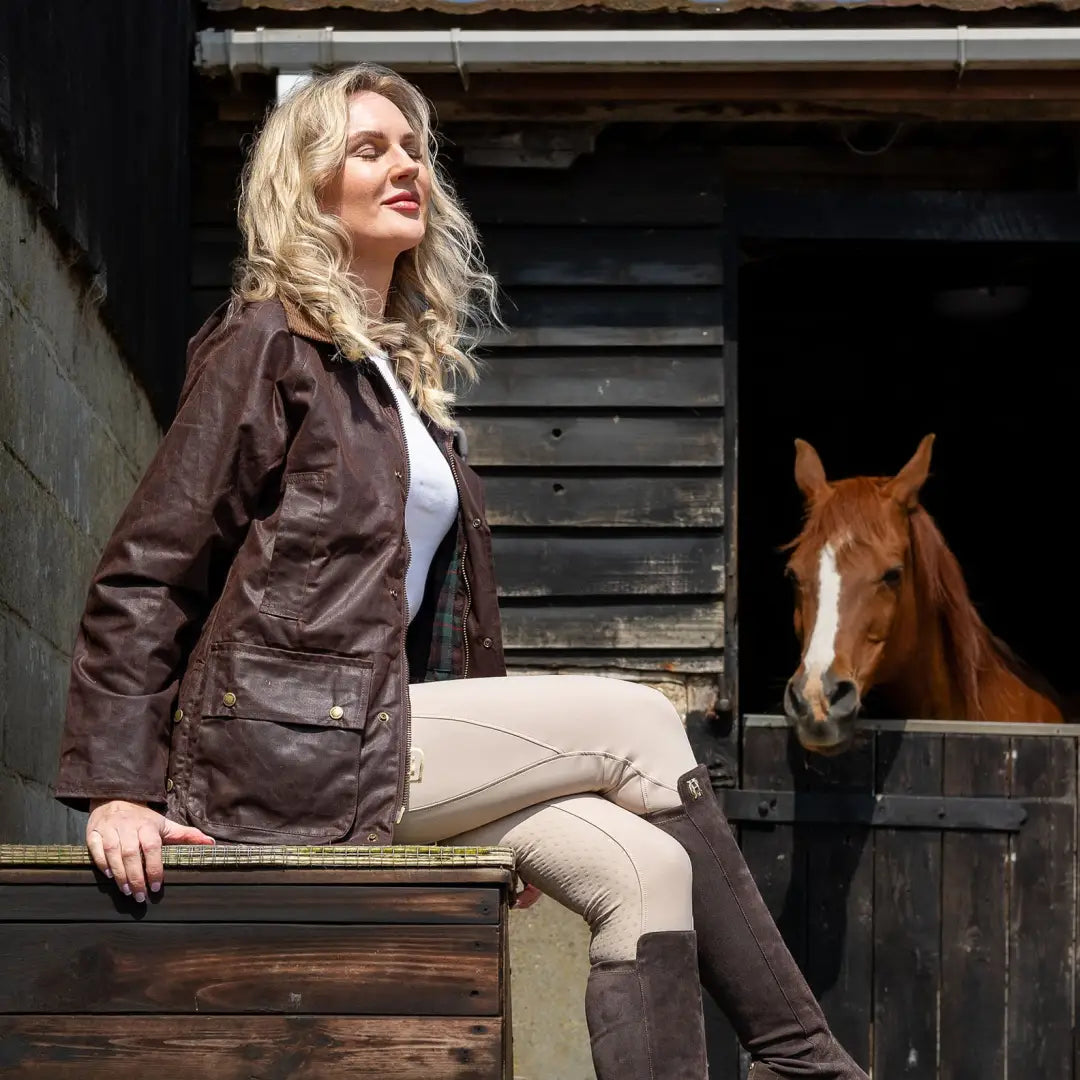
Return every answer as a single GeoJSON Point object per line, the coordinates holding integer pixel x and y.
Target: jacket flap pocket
{"type": "Point", "coordinates": [259, 683]}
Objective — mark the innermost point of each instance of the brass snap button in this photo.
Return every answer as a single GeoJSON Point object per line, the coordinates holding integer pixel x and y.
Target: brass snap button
{"type": "Point", "coordinates": [372, 837]}
{"type": "Point", "coordinates": [228, 698]}
{"type": "Point", "coordinates": [476, 523]}
{"type": "Point", "coordinates": [487, 643]}
{"type": "Point", "coordinates": [178, 716]}
{"type": "Point", "coordinates": [384, 716]}
{"type": "Point", "coordinates": [393, 593]}
{"type": "Point", "coordinates": [169, 784]}
{"type": "Point", "coordinates": [337, 712]}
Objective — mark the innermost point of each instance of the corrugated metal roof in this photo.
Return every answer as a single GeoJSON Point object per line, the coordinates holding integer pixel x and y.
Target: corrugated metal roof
{"type": "Point", "coordinates": [697, 7]}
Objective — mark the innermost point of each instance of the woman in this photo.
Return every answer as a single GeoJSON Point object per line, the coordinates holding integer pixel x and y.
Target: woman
{"type": "Point", "coordinates": [308, 542]}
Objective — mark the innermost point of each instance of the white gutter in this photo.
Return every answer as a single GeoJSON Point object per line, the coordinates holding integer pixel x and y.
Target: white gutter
{"type": "Point", "coordinates": [541, 51]}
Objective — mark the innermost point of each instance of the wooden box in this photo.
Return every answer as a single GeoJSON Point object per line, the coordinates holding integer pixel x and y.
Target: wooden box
{"type": "Point", "coordinates": [258, 963]}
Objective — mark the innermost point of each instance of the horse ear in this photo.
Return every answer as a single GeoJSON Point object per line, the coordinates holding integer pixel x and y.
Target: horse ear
{"type": "Point", "coordinates": [905, 486]}
{"type": "Point", "coordinates": [809, 472]}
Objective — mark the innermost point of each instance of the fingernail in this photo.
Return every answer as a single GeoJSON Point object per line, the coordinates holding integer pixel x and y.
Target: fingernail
{"type": "Point", "coordinates": [125, 889]}
{"type": "Point", "coordinates": [108, 873]}
{"type": "Point", "coordinates": [140, 897]}
{"type": "Point", "coordinates": [155, 886]}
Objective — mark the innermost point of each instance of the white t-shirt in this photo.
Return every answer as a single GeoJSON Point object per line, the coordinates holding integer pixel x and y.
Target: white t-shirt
{"type": "Point", "coordinates": [431, 504]}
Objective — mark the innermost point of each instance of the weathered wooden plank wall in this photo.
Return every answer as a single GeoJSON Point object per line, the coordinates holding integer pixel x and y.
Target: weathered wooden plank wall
{"type": "Point", "coordinates": [94, 118]}
{"type": "Point", "coordinates": [599, 423]}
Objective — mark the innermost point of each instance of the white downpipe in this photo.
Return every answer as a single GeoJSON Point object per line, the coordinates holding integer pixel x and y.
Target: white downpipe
{"type": "Point", "coordinates": [538, 51]}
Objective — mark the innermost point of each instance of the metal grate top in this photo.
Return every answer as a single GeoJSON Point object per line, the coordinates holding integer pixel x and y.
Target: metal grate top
{"type": "Point", "coordinates": [229, 856]}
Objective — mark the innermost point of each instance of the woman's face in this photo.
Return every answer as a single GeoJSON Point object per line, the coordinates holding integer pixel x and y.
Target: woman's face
{"type": "Point", "coordinates": [381, 192]}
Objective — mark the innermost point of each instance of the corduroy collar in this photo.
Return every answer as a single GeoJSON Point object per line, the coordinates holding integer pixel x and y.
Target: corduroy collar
{"type": "Point", "coordinates": [300, 324]}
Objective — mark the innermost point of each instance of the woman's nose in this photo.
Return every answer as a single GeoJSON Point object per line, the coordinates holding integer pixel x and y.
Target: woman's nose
{"type": "Point", "coordinates": [405, 165]}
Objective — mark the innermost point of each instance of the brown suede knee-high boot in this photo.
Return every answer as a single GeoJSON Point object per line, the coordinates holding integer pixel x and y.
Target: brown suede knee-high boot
{"type": "Point", "coordinates": [644, 1015]}
{"type": "Point", "coordinates": [745, 964]}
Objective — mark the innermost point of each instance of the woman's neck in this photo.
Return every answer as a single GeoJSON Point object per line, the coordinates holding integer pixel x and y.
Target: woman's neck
{"type": "Point", "coordinates": [374, 275]}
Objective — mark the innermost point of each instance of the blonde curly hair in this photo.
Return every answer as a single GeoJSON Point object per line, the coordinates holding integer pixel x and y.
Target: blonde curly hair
{"type": "Point", "coordinates": [441, 296]}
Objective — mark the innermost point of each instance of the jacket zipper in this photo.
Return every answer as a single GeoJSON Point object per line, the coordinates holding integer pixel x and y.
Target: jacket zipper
{"type": "Point", "coordinates": [403, 798]}
{"type": "Point", "coordinates": [464, 551]}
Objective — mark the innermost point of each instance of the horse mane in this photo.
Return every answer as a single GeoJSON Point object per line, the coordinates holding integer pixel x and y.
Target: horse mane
{"type": "Point", "coordinates": [972, 646]}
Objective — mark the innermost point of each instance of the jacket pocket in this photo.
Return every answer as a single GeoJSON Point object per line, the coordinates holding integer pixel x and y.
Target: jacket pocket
{"type": "Point", "coordinates": [295, 537]}
{"type": "Point", "coordinates": [277, 753]}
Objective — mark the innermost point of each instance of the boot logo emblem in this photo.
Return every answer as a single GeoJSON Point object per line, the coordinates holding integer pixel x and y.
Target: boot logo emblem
{"type": "Point", "coordinates": [694, 787]}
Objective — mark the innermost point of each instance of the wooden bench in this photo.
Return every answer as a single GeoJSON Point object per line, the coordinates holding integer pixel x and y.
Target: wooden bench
{"type": "Point", "coordinates": [258, 962]}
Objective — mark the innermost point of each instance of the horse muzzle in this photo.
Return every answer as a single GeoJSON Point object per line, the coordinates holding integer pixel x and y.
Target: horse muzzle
{"type": "Point", "coordinates": [823, 711]}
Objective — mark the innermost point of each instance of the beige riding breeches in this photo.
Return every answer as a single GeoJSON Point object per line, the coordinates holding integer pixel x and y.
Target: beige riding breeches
{"type": "Point", "coordinates": [559, 768]}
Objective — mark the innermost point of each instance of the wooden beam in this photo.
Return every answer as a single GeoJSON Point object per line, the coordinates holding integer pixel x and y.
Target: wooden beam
{"type": "Point", "coordinates": [283, 903]}
{"type": "Point", "coordinates": [770, 110]}
{"type": "Point", "coordinates": [197, 1047]}
{"type": "Point", "coordinates": [998, 166]}
{"type": "Point", "coordinates": [961, 217]}
{"type": "Point", "coordinates": [611, 565]}
{"type": "Point", "coordinates": [377, 968]}
{"type": "Point", "coordinates": [575, 255]}
{"type": "Point", "coordinates": [640, 662]}
{"type": "Point", "coordinates": [609, 97]}
{"type": "Point", "coordinates": [691, 87]}
{"type": "Point", "coordinates": [596, 378]}
{"type": "Point", "coordinates": [615, 627]}
{"type": "Point", "coordinates": [627, 441]}
{"type": "Point", "coordinates": [568, 498]}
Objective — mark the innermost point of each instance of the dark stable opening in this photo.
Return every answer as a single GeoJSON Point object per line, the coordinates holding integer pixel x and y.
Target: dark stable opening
{"type": "Point", "coordinates": [864, 347]}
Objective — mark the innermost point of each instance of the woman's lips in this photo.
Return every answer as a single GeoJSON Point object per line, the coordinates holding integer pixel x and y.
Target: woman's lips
{"type": "Point", "coordinates": [405, 205]}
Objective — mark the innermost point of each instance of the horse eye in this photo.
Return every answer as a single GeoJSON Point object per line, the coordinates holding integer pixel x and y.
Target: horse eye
{"type": "Point", "coordinates": [791, 576]}
{"type": "Point", "coordinates": [892, 576]}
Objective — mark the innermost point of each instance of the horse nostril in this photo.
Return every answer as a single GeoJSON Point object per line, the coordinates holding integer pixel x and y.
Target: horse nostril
{"type": "Point", "coordinates": [844, 698]}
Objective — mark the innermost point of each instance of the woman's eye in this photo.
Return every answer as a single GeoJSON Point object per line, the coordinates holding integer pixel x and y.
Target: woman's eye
{"type": "Point", "coordinates": [892, 576]}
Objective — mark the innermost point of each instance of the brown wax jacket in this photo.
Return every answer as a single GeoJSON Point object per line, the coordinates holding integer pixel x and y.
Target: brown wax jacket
{"type": "Point", "coordinates": [243, 657]}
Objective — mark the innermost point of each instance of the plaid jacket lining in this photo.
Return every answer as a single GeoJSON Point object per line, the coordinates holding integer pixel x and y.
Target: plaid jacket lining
{"type": "Point", "coordinates": [448, 627]}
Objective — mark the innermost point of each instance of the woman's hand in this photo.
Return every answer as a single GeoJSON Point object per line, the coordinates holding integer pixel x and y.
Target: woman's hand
{"type": "Point", "coordinates": [121, 835]}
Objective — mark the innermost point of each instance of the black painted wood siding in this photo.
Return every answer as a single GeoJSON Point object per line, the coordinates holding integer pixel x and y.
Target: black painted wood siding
{"type": "Point", "coordinates": [599, 422]}
{"type": "Point", "coordinates": [94, 120]}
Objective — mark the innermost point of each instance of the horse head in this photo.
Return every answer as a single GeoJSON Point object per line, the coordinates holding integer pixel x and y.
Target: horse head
{"type": "Point", "coordinates": [851, 567]}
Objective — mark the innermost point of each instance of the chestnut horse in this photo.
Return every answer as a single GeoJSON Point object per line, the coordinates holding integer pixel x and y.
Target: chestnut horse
{"type": "Point", "coordinates": [881, 602]}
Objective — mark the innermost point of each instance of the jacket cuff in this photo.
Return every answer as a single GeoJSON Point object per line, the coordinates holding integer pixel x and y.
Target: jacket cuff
{"type": "Point", "coordinates": [114, 746]}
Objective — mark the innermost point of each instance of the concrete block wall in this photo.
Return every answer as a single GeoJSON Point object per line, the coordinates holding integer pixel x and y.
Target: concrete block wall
{"type": "Point", "coordinates": [76, 432]}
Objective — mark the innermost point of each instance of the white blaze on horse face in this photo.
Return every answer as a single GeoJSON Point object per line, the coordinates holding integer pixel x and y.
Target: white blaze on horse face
{"type": "Point", "coordinates": [821, 651]}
